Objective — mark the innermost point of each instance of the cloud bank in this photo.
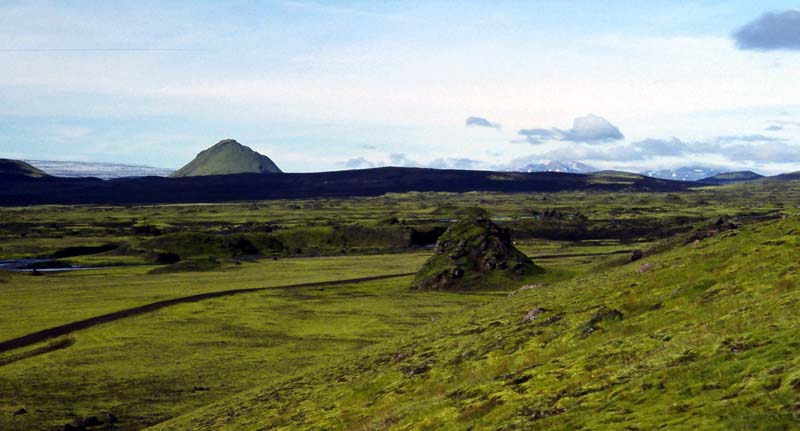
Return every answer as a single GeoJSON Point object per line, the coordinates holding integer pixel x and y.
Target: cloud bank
{"type": "Point", "coordinates": [770, 32]}
{"type": "Point", "coordinates": [403, 160]}
{"type": "Point", "coordinates": [481, 122]}
{"type": "Point", "coordinates": [590, 128]}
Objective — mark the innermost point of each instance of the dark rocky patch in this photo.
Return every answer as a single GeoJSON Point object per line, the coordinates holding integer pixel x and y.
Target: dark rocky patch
{"type": "Point", "coordinates": [166, 258]}
{"type": "Point", "coordinates": [110, 418]}
{"type": "Point", "coordinates": [417, 369]}
{"type": "Point", "coordinates": [146, 230]}
{"type": "Point", "coordinates": [533, 314]}
{"type": "Point", "coordinates": [91, 421]}
{"type": "Point", "coordinates": [707, 231]}
{"type": "Point", "coordinates": [604, 314]}
{"type": "Point", "coordinates": [82, 251]}
{"type": "Point", "coordinates": [422, 237]}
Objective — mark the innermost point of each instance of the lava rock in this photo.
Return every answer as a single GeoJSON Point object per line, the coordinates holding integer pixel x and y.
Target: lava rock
{"type": "Point", "coordinates": [470, 250]}
{"type": "Point", "coordinates": [91, 421]}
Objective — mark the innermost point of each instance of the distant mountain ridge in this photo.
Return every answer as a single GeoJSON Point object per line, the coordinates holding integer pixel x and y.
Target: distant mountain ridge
{"type": "Point", "coordinates": [23, 190]}
{"type": "Point", "coordinates": [732, 177]}
{"type": "Point", "coordinates": [569, 167]}
{"type": "Point", "coordinates": [687, 173]}
{"type": "Point", "coordinates": [105, 171]}
{"type": "Point", "coordinates": [225, 158]}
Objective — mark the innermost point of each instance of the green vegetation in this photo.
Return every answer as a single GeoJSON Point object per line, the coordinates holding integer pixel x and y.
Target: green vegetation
{"type": "Point", "coordinates": [732, 177]}
{"type": "Point", "coordinates": [653, 310]}
{"type": "Point", "coordinates": [227, 157]}
{"type": "Point", "coordinates": [705, 338]}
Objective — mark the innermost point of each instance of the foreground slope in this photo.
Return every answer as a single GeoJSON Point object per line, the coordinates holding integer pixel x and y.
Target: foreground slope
{"type": "Point", "coordinates": [701, 336]}
{"type": "Point", "coordinates": [227, 157]}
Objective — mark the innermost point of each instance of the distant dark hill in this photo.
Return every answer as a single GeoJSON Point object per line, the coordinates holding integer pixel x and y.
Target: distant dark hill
{"type": "Point", "coordinates": [791, 176]}
{"type": "Point", "coordinates": [731, 177]}
{"type": "Point", "coordinates": [19, 168]}
{"type": "Point", "coordinates": [17, 190]}
{"type": "Point", "coordinates": [227, 157]}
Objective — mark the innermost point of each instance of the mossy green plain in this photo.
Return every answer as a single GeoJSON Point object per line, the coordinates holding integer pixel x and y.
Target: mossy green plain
{"type": "Point", "coordinates": [706, 338]}
{"type": "Point", "coordinates": [708, 341]}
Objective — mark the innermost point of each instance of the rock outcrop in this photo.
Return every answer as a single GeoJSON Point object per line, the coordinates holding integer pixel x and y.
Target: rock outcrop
{"type": "Point", "coordinates": [469, 253]}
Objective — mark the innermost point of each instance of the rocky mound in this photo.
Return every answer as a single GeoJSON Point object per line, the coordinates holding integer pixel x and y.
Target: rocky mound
{"type": "Point", "coordinates": [227, 157]}
{"type": "Point", "coordinates": [471, 252]}
{"type": "Point", "coordinates": [709, 230]}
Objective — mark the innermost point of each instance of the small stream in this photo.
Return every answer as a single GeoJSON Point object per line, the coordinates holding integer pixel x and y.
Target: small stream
{"type": "Point", "coordinates": [41, 265]}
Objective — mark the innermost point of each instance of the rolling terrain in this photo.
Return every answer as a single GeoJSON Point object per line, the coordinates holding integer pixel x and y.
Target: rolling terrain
{"type": "Point", "coordinates": [681, 339]}
{"type": "Point", "coordinates": [300, 313]}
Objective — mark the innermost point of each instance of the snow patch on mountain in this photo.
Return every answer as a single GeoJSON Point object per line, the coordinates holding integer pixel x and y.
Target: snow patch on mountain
{"type": "Point", "coordinates": [97, 169]}
{"type": "Point", "coordinates": [557, 166]}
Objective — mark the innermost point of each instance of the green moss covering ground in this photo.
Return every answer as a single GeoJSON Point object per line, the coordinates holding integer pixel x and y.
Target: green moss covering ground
{"type": "Point", "coordinates": [703, 336]}
{"type": "Point", "coordinates": [699, 336]}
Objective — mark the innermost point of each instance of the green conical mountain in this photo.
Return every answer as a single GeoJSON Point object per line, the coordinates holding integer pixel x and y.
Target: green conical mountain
{"type": "Point", "coordinates": [18, 167]}
{"type": "Point", "coordinates": [227, 157]}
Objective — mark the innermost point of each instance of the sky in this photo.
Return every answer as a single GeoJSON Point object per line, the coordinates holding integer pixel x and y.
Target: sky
{"type": "Point", "coordinates": [319, 85]}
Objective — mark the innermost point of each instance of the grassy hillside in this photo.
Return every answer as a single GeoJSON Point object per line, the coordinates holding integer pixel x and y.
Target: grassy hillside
{"type": "Point", "coordinates": [732, 177]}
{"type": "Point", "coordinates": [703, 336]}
{"type": "Point", "coordinates": [227, 157]}
{"type": "Point", "coordinates": [18, 167]}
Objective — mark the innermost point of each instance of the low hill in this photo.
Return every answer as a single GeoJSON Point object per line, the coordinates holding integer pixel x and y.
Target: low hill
{"type": "Point", "coordinates": [19, 168]}
{"type": "Point", "coordinates": [731, 177]}
{"type": "Point", "coordinates": [791, 176]}
{"type": "Point", "coordinates": [362, 182]}
{"type": "Point", "coordinates": [701, 336]}
{"type": "Point", "coordinates": [225, 158]}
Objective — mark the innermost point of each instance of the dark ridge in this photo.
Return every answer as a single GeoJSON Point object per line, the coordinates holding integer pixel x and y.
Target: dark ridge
{"type": "Point", "coordinates": [731, 177]}
{"type": "Point", "coordinates": [18, 190]}
{"type": "Point", "coordinates": [19, 168]}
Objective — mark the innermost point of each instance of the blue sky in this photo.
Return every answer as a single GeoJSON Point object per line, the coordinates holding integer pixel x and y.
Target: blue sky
{"type": "Point", "coordinates": [333, 85]}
